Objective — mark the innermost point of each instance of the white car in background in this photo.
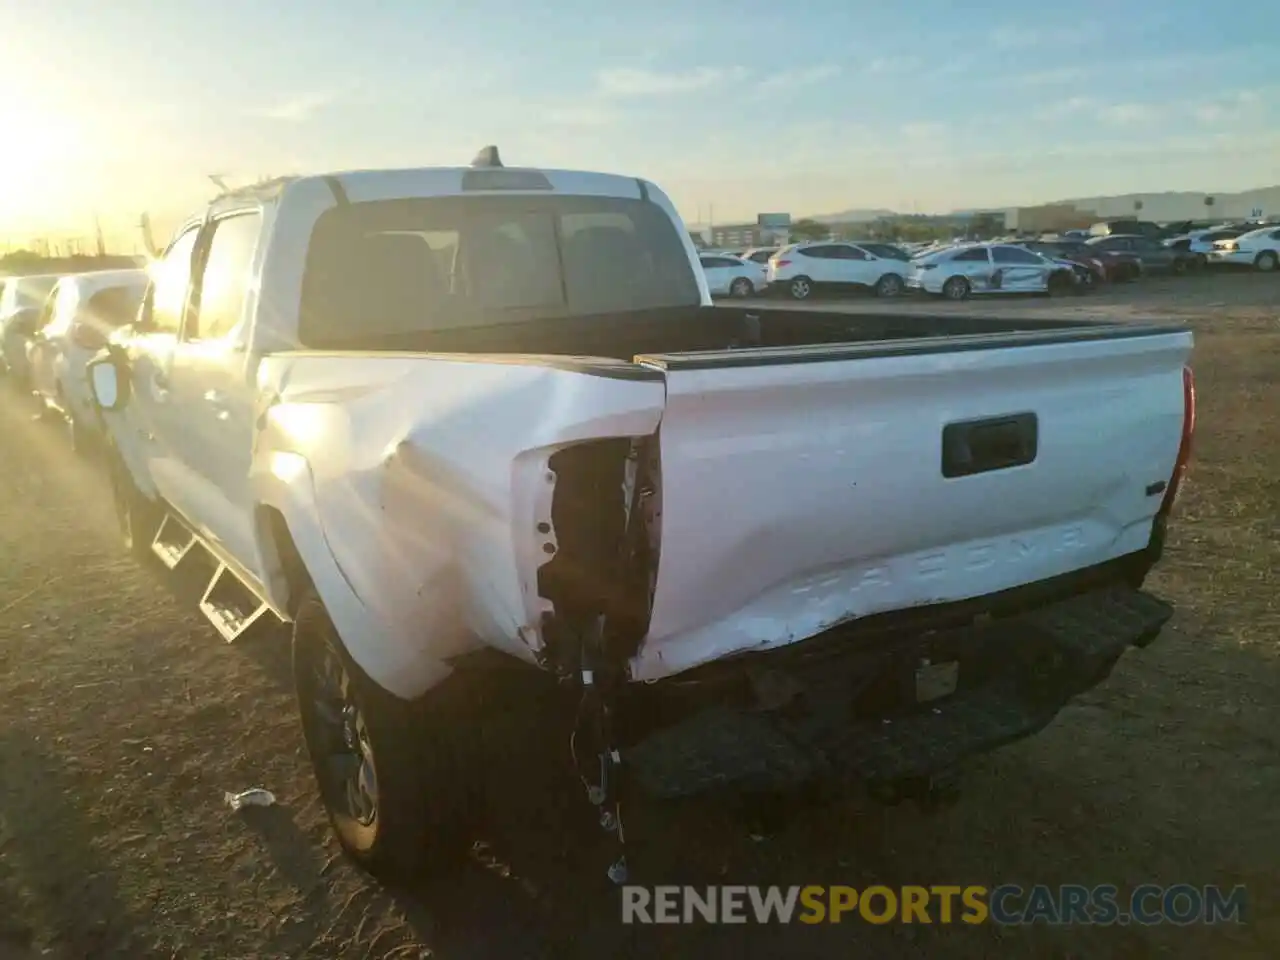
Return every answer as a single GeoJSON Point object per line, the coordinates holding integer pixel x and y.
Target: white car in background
{"type": "Point", "coordinates": [732, 276]}
{"type": "Point", "coordinates": [20, 306]}
{"type": "Point", "coordinates": [1200, 242]}
{"type": "Point", "coordinates": [803, 268]}
{"type": "Point", "coordinates": [80, 314]}
{"type": "Point", "coordinates": [982, 268]}
{"type": "Point", "coordinates": [1258, 248]}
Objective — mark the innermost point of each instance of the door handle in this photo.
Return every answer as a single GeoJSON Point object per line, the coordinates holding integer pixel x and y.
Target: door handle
{"type": "Point", "coordinates": [996, 443]}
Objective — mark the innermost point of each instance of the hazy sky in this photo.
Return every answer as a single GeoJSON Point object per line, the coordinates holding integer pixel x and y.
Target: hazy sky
{"type": "Point", "coordinates": [805, 107]}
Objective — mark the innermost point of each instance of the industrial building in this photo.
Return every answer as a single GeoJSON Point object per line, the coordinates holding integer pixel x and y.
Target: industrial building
{"type": "Point", "coordinates": [770, 229]}
{"type": "Point", "coordinates": [1078, 214]}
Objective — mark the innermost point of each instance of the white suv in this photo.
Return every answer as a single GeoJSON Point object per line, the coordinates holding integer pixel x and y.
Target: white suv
{"type": "Point", "coordinates": [804, 267]}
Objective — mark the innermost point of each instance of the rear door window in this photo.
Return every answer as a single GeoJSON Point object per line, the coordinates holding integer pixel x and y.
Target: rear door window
{"type": "Point", "coordinates": [846, 252]}
{"type": "Point", "coordinates": [224, 277]}
{"type": "Point", "coordinates": [171, 278]}
{"type": "Point", "coordinates": [885, 251]}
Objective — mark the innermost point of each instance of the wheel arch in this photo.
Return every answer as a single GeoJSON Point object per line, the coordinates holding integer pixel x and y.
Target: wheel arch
{"type": "Point", "coordinates": [296, 556]}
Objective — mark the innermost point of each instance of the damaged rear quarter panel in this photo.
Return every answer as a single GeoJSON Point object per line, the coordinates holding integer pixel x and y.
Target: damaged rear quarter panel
{"type": "Point", "coordinates": [429, 472]}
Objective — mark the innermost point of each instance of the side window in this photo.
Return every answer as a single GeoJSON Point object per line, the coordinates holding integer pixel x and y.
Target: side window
{"type": "Point", "coordinates": [170, 279]}
{"type": "Point", "coordinates": [975, 255]}
{"type": "Point", "coordinates": [1014, 255]}
{"type": "Point", "coordinates": [885, 251]}
{"type": "Point", "coordinates": [67, 296]}
{"type": "Point", "coordinates": [50, 308]}
{"type": "Point", "coordinates": [708, 263]}
{"type": "Point", "coordinates": [1275, 234]}
{"type": "Point", "coordinates": [224, 278]}
{"type": "Point", "coordinates": [850, 253]}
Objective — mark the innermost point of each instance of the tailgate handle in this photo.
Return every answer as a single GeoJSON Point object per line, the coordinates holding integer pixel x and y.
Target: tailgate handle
{"type": "Point", "coordinates": [994, 443]}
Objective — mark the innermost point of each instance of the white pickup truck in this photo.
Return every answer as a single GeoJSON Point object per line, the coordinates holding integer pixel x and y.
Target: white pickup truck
{"type": "Point", "coordinates": [426, 415]}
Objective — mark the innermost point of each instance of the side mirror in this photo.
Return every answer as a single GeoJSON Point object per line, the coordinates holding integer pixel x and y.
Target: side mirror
{"type": "Point", "coordinates": [109, 380]}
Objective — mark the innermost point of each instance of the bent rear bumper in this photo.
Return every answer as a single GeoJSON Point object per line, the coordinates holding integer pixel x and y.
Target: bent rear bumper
{"type": "Point", "coordinates": [854, 712]}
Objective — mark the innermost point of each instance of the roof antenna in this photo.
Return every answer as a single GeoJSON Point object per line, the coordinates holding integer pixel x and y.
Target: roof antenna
{"type": "Point", "coordinates": [487, 157]}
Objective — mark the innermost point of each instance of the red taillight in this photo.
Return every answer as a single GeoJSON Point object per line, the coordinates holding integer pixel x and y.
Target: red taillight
{"type": "Point", "coordinates": [87, 336]}
{"type": "Point", "coordinates": [782, 263]}
{"type": "Point", "coordinates": [1184, 446]}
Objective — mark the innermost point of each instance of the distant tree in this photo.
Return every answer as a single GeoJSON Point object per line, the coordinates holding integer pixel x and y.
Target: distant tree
{"type": "Point", "coordinates": [810, 230]}
{"type": "Point", "coordinates": [21, 261]}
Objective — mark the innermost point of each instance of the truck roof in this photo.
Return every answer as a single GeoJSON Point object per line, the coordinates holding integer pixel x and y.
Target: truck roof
{"type": "Point", "coordinates": [364, 185]}
{"type": "Point", "coordinates": [486, 174]}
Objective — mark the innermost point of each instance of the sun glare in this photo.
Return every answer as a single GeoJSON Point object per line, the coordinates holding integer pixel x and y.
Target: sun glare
{"type": "Point", "coordinates": [44, 146]}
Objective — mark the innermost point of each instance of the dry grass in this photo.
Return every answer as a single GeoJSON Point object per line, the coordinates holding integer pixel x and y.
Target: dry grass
{"type": "Point", "coordinates": [123, 719]}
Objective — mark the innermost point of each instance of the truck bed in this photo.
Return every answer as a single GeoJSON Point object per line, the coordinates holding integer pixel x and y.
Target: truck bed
{"type": "Point", "coordinates": [719, 480]}
{"type": "Point", "coordinates": [622, 336]}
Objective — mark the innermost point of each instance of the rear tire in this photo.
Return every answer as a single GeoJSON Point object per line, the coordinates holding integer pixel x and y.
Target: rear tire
{"type": "Point", "coordinates": [1267, 261]}
{"type": "Point", "coordinates": [956, 288]}
{"type": "Point", "coordinates": [388, 770]}
{"type": "Point", "coordinates": [890, 285]}
{"type": "Point", "coordinates": [801, 288]}
{"type": "Point", "coordinates": [139, 518]}
{"type": "Point", "coordinates": [80, 436]}
{"type": "Point", "coordinates": [1060, 284]}
{"type": "Point", "coordinates": [741, 287]}
{"type": "Point", "coordinates": [1180, 267]}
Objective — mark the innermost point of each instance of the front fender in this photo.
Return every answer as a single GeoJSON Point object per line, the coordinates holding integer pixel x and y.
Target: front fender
{"type": "Point", "coordinates": [130, 442]}
{"type": "Point", "coordinates": [396, 663]}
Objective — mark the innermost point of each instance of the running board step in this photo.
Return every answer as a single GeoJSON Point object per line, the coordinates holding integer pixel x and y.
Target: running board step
{"type": "Point", "coordinates": [229, 605]}
{"type": "Point", "coordinates": [173, 541]}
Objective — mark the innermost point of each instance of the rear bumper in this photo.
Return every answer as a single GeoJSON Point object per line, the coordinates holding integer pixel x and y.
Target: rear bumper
{"type": "Point", "coordinates": [854, 712]}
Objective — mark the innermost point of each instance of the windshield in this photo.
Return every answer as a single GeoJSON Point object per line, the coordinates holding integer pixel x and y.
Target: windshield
{"type": "Point", "coordinates": [20, 292]}
{"type": "Point", "coordinates": [410, 266]}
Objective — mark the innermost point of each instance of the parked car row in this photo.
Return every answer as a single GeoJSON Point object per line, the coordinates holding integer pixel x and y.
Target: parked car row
{"type": "Point", "coordinates": [53, 325]}
{"type": "Point", "coordinates": [959, 270]}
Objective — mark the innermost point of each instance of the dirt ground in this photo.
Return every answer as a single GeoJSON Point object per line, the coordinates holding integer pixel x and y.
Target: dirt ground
{"type": "Point", "coordinates": [123, 719]}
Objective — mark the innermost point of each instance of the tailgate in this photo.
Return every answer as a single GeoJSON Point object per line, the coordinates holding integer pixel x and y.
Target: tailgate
{"type": "Point", "coordinates": [805, 486]}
